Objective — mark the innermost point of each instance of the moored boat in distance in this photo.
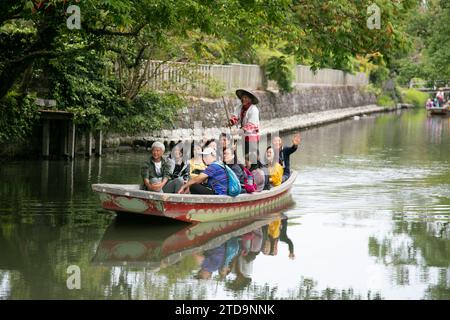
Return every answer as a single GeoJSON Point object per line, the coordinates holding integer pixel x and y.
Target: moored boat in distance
{"type": "Point", "coordinates": [439, 111]}
{"type": "Point", "coordinates": [194, 208]}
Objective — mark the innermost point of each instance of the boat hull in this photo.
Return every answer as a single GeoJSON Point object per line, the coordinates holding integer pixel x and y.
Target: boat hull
{"type": "Point", "coordinates": [439, 111]}
{"type": "Point", "coordinates": [196, 208]}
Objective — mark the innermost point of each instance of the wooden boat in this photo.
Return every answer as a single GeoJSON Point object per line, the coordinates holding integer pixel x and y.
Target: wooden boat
{"type": "Point", "coordinates": [155, 247]}
{"type": "Point", "coordinates": [194, 208]}
{"type": "Point", "coordinates": [439, 111]}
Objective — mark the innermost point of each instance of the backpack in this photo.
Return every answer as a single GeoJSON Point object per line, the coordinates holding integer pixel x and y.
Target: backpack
{"type": "Point", "coordinates": [233, 185]}
{"type": "Point", "coordinates": [249, 181]}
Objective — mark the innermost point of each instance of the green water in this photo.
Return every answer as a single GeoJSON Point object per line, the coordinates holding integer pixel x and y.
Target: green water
{"type": "Point", "coordinates": [371, 221]}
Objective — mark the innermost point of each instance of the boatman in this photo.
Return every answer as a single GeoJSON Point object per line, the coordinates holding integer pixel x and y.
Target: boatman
{"type": "Point", "coordinates": [246, 117]}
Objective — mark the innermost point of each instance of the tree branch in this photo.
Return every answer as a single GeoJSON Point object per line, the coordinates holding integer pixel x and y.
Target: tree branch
{"type": "Point", "coordinates": [15, 14]}
{"type": "Point", "coordinates": [49, 54]}
{"type": "Point", "coordinates": [104, 32]}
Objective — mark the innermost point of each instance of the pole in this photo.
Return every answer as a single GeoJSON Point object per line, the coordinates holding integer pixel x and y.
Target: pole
{"type": "Point", "coordinates": [226, 110]}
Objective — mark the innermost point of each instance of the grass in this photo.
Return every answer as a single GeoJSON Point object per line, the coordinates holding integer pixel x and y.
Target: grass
{"type": "Point", "coordinates": [385, 101]}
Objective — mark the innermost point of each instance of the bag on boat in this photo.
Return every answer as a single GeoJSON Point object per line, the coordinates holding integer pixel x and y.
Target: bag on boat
{"type": "Point", "coordinates": [249, 181]}
{"type": "Point", "coordinates": [234, 186]}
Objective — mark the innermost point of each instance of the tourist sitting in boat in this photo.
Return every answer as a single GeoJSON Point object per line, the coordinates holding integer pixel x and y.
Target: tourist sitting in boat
{"type": "Point", "coordinates": [156, 172]}
{"type": "Point", "coordinates": [273, 169]}
{"type": "Point", "coordinates": [245, 176]}
{"type": "Point", "coordinates": [429, 103]}
{"type": "Point", "coordinates": [196, 164]}
{"type": "Point", "coordinates": [435, 103]}
{"type": "Point", "coordinates": [285, 152]}
{"type": "Point", "coordinates": [211, 144]}
{"type": "Point", "coordinates": [260, 180]}
{"type": "Point", "coordinates": [181, 169]}
{"type": "Point", "coordinates": [230, 160]}
{"type": "Point", "coordinates": [227, 142]}
{"type": "Point", "coordinates": [214, 175]}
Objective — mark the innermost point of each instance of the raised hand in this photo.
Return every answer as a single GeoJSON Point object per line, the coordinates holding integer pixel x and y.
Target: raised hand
{"type": "Point", "coordinates": [296, 139]}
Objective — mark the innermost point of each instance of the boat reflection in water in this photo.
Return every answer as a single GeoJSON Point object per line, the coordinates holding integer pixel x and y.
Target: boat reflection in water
{"type": "Point", "coordinates": [222, 248]}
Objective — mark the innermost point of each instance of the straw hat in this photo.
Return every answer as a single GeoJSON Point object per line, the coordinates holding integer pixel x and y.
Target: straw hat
{"type": "Point", "coordinates": [242, 92]}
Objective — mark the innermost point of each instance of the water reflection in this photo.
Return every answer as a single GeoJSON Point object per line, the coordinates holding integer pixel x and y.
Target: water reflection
{"type": "Point", "coordinates": [220, 250]}
{"type": "Point", "coordinates": [371, 221]}
{"type": "Point", "coordinates": [436, 127]}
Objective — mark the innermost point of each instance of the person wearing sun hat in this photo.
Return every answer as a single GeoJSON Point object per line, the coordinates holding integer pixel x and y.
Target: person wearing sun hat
{"type": "Point", "coordinates": [246, 117]}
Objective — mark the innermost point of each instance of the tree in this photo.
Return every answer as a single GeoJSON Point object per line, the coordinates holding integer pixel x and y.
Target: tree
{"type": "Point", "coordinates": [429, 58]}
{"type": "Point", "coordinates": [77, 67]}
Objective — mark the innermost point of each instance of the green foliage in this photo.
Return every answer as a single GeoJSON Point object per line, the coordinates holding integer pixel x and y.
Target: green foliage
{"type": "Point", "coordinates": [80, 85]}
{"type": "Point", "coordinates": [279, 70]}
{"type": "Point", "coordinates": [75, 66]}
{"type": "Point", "coordinates": [215, 88]}
{"type": "Point", "coordinates": [429, 28]}
{"type": "Point", "coordinates": [385, 101]}
{"type": "Point", "coordinates": [332, 32]}
{"type": "Point", "coordinates": [409, 71]}
{"type": "Point", "coordinates": [149, 111]}
{"type": "Point", "coordinates": [370, 88]}
{"type": "Point", "coordinates": [415, 97]}
{"type": "Point", "coordinates": [379, 75]}
{"type": "Point", "coordinates": [19, 113]}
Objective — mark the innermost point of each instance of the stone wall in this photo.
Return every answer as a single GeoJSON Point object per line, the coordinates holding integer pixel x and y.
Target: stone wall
{"type": "Point", "coordinates": [273, 105]}
{"type": "Point", "coordinates": [212, 114]}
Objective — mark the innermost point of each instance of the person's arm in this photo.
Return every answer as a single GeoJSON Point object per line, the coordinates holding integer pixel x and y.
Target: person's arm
{"type": "Point", "coordinates": [155, 186]}
{"type": "Point", "coordinates": [145, 174]}
{"type": "Point", "coordinates": [195, 180]}
{"type": "Point", "coordinates": [186, 171]}
{"type": "Point", "coordinates": [296, 139]}
{"type": "Point", "coordinates": [167, 170]}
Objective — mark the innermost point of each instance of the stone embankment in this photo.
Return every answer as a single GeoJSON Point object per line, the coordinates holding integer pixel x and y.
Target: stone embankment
{"type": "Point", "coordinates": [306, 107]}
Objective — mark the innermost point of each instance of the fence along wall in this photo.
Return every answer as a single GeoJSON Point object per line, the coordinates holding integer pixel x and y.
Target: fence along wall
{"type": "Point", "coordinates": [199, 78]}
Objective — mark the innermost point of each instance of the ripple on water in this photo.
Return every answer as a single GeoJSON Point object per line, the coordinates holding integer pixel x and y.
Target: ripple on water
{"type": "Point", "coordinates": [371, 187]}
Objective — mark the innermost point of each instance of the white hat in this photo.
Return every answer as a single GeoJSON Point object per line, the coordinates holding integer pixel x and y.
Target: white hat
{"type": "Point", "coordinates": [209, 151]}
{"type": "Point", "coordinates": [160, 145]}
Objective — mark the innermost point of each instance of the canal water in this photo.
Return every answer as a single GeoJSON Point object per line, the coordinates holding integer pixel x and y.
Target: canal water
{"type": "Point", "coordinates": [370, 221]}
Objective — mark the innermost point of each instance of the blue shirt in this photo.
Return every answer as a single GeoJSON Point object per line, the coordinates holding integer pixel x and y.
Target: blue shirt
{"type": "Point", "coordinates": [214, 258]}
{"type": "Point", "coordinates": [217, 178]}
